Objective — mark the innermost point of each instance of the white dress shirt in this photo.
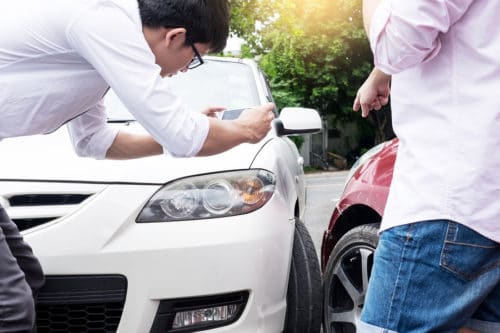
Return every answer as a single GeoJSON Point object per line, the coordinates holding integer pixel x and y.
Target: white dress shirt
{"type": "Point", "coordinates": [444, 56]}
{"type": "Point", "coordinates": [57, 60]}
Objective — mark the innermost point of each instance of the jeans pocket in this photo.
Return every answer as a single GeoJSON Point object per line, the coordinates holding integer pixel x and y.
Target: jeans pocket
{"type": "Point", "coordinates": [467, 254]}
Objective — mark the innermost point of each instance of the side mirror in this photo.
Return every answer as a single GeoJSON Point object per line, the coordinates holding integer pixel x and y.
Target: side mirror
{"type": "Point", "coordinates": [297, 121]}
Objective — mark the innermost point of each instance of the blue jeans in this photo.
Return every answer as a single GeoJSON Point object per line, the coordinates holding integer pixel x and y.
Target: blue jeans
{"type": "Point", "coordinates": [433, 276]}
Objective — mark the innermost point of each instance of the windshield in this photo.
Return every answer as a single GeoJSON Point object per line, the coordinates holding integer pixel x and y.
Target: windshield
{"type": "Point", "coordinates": [216, 83]}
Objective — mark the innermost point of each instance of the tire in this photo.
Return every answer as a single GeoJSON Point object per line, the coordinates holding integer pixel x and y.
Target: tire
{"type": "Point", "coordinates": [346, 279]}
{"type": "Point", "coordinates": [303, 311]}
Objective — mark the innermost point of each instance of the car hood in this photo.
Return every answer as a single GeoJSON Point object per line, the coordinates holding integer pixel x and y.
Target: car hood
{"type": "Point", "coordinates": [51, 158]}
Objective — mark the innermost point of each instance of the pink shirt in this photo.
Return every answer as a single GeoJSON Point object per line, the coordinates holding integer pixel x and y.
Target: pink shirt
{"type": "Point", "coordinates": [445, 60]}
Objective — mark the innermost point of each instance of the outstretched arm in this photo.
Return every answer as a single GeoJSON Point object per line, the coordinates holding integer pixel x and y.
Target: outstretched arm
{"type": "Point", "coordinates": [251, 127]}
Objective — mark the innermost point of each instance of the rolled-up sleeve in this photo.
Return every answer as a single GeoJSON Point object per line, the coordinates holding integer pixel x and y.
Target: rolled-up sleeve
{"type": "Point", "coordinates": [121, 55]}
{"type": "Point", "coordinates": [90, 134]}
{"type": "Point", "coordinates": [406, 33]}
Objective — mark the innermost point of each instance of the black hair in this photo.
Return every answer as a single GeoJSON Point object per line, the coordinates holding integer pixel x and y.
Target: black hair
{"type": "Point", "coordinates": [205, 21]}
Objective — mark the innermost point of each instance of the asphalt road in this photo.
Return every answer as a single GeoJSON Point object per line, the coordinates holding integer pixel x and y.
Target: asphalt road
{"type": "Point", "coordinates": [323, 191]}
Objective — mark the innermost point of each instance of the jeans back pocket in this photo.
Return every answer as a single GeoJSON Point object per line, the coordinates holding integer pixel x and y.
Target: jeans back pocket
{"type": "Point", "coordinates": [468, 254]}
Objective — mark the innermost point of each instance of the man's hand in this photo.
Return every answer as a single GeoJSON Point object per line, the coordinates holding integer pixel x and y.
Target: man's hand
{"type": "Point", "coordinates": [374, 93]}
{"type": "Point", "coordinates": [257, 122]}
{"type": "Point", "coordinates": [251, 127]}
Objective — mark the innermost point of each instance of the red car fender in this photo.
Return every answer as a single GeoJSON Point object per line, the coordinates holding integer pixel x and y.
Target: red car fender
{"type": "Point", "coordinates": [367, 189]}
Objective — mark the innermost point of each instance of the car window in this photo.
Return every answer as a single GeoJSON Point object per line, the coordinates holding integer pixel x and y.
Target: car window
{"type": "Point", "coordinates": [216, 83]}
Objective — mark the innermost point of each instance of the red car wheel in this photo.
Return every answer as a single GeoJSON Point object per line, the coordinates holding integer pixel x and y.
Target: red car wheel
{"type": "Point", "coordinates": [346, 279]}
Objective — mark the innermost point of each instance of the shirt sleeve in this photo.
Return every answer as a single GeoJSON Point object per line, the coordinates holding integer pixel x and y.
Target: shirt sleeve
{"type": "Point", "coordinates": [111, 40]}
{"type": "Point", "coordinates": [90, 134]}
{"type": "Point", "coordinates": [406, 33]}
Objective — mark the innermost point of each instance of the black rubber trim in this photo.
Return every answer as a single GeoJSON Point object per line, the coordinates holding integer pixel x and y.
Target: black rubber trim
{"type": "Point", "coordinates": [83, 289]}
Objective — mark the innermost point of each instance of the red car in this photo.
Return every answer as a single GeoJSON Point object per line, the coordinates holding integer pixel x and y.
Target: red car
{"type": "Point", "coordinates": [351, 238]}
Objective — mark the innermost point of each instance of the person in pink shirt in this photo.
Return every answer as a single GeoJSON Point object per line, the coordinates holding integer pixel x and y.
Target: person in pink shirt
{"type": "Point", "coordinates": [437, 265]}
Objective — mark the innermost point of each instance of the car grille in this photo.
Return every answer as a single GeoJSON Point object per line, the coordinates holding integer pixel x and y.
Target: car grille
{"type": "Point", "coordinates": [23, 224]}
{"type": "Point", "coordinates": [71, 304]}
{"type": "Point", "coordinates": [41, 200]}
{"type": "Point", "coordinates": [30, 204]}
{"type": "Point", "coordinates": [46, 199]}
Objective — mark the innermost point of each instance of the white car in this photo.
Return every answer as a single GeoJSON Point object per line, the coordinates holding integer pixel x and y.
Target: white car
{"type": "Point", "coordinates": [171, 245]}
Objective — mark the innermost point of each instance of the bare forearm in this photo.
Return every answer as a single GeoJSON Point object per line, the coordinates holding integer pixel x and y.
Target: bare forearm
{"type": "Point", "coordinates": [380, 77]}
{"type": "Point", "coordinates": [223, 135]}
{"type": "Point", "coordinates": [251, 126]}
{"type": "Point", "coordinates": [129, 145]}
{"type": "Point", "coordinates": [369, 7]}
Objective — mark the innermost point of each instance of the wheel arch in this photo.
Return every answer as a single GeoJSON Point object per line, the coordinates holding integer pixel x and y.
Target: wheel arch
{"type": "Point", "coordinates": [352, 217]}
{"type": "Point", "coordinates": [297, 210]}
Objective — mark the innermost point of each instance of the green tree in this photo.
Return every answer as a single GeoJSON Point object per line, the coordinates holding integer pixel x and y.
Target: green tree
{"type": "Point", "coordinates": [315, 54]}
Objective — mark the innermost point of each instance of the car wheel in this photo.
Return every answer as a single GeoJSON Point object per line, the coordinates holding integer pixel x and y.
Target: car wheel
{"type": "Point", "coordinates": [303, 311]}
{"type": "Point", "coordinates": [346, 279]}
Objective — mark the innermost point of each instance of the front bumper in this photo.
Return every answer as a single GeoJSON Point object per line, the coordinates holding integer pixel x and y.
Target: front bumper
{"type": "Point", "coordinates": [163, 261]}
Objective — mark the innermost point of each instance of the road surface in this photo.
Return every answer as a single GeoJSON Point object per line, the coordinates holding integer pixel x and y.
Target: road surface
{"type": "Point", "coordinates": [323, 192]}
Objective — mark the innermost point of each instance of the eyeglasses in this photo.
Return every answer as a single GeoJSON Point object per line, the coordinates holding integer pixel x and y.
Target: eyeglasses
{"type": "Point", "coordinates": [197, 59]}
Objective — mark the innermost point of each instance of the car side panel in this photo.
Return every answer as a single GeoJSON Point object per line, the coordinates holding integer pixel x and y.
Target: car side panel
{"type": "Point", "coordinates": [367, 189]}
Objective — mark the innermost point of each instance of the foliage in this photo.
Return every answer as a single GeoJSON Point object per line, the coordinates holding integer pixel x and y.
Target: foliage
{"type": "Point", "coordinates": [315, 54]}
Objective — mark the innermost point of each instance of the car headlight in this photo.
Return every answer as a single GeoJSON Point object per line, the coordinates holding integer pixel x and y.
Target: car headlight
{"type": "Point", "coordinates": [209, 196]}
